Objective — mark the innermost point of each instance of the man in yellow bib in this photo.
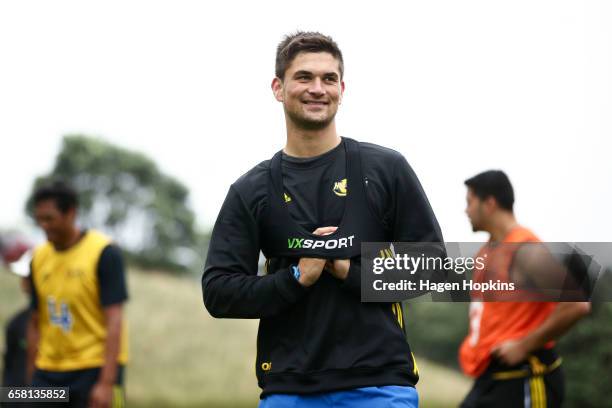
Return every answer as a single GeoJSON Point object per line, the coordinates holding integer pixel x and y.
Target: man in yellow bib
{"type": "Point", "coordinates": [76, 334]}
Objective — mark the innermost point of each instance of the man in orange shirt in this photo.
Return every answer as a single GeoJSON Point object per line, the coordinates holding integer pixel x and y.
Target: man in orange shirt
{"type": "Point", "coordinates": [510, 345]}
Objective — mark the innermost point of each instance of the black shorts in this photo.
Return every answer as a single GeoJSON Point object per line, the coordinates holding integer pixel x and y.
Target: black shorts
{"type": "Point", "coordinates": [531, 391]}
{"type": "Point", "coordinates": [80, 384]}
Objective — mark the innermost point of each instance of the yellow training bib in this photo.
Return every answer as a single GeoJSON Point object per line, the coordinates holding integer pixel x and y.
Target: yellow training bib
{"type": "Point", "coordinates": [71, 317]}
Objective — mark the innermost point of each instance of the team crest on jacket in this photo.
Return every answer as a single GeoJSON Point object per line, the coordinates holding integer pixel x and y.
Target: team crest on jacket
{"type": "Point", "coordinates": [340, 188]}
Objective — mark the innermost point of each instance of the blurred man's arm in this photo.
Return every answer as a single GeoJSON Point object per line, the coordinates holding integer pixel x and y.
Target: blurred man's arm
{"type": "Point", "coordinates": [102, 392]}
{"type": "Point", "coordinates": [536, 269]}
{"type": "Point", "coordinates": [32, 338]}
{"type": "Point", "coordinates": [33, 328]}
{"type": "Point", "coordinates": [557, 324]}
{"type": "Point", "coordinates": [113, 294]}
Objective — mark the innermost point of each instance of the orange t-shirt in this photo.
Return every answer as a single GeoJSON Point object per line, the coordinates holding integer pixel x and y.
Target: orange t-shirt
{"type": "Point", "coordinates": [492, 323]}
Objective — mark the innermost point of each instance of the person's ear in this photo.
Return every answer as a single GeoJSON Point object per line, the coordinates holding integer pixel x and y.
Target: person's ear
{"type": "Point", "coordinates": [71, 214]}
{"type": "Point", "coordinates": [490, 204]}
{"type": "Point", "coordinates": [277, 89]}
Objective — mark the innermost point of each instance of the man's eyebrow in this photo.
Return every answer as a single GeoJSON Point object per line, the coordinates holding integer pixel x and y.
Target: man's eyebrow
{"type": "Point", "coordinates": [302, 72]}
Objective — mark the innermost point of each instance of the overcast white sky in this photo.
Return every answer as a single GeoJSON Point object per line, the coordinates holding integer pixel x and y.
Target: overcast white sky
{"type": "Point", "coordinates": [456, 86]}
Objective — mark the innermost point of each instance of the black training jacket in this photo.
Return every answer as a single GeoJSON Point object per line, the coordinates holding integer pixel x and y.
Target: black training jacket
{"type": "Point", "coordinates": [321, 338]}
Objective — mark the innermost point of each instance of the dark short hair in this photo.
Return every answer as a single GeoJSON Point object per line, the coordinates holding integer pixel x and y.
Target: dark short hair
{"type": "Point", "coordinates": [65, 197]}
{"type": "Point", "coordinates": [305, 41]}
{"type": "Point", "coordinates": [493, 183]}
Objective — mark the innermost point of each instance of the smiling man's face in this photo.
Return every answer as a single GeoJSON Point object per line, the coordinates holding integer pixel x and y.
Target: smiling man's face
{"type": "Point", "coordinates": [311, 90]}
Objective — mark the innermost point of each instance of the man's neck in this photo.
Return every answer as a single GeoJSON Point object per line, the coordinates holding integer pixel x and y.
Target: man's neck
{"type": "Point", "coordinates": [310, 143]}
{"type": "Point", "coordinates": [71, 239]}
{"type": "Point", "coordinates": [501, 226]}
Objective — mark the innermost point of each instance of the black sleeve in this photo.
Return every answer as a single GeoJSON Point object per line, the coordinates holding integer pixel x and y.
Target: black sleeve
{"type": "Point", "coordinates": [33, 294]}
{"type": "Point", "coordinates": [230, 285]}
{"type": "Point", "coordinates": [413, 220]}
{"type": "Point", "coordinates": [408, 213]}
{"type": "Point", "coordinates": [352, 283]}
{"type": "Point", "coordinates": [111, 277]}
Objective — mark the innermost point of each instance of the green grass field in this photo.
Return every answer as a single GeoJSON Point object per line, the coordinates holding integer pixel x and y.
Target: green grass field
{"type": "Point", "coordinates": [182, 357]}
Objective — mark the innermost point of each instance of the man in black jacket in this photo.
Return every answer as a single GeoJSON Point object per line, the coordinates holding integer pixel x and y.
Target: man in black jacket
{"type": "Point", "coordinates": [308, 209]}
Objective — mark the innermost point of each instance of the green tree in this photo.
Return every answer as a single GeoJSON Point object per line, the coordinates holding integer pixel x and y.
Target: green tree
{"type": "Point", "coordinates": [125, 194]}
{"type": "Point", "coordinates": [587, 354]}
{"type": "Point", "coordinates": [435, 329]}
